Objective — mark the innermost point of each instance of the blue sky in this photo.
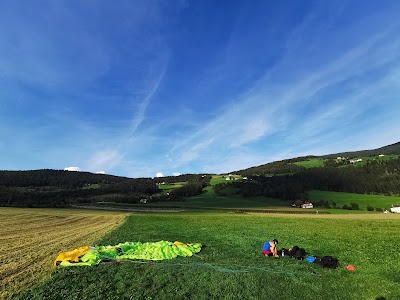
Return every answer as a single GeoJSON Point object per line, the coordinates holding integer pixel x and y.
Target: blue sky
{"type": "Point", "coordinates": [136, 88]}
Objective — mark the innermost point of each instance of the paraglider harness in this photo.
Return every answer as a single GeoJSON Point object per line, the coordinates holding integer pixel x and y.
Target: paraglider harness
{"type": "Point", "coordinates": [300, 253]}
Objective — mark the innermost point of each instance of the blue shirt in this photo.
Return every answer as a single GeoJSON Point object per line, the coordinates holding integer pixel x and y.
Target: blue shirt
{"type": "Point", "coordinates": [267, 246]}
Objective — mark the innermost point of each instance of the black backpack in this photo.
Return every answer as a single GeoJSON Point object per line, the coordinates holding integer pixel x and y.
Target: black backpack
{"type": "Point", "coordinates": [296, 252]}
{"type": "Point", "coordinates": [327, 262]}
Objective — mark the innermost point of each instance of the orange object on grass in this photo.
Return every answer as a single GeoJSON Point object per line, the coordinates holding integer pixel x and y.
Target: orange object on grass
{"type": "Point", "coordinates": [72, 256]}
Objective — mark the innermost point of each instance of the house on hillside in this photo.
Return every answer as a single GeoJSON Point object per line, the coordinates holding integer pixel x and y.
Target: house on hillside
{"type": "Point", "coordinates": [302, 204]}
{"type": "Point", "coordinates": [307, 205]}
{"type": "Point", "coordinates": [144, 200]}
{"type": "Point", "coordinates": [353, 161]}
{"type": "Point", "coordinates": [395, 208]}
{"type": "Point", "coordinates": [381, 155]}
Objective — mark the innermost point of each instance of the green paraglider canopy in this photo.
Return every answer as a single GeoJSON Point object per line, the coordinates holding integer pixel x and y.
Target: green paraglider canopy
{"type": "Point", "coordinates": [88, 256]}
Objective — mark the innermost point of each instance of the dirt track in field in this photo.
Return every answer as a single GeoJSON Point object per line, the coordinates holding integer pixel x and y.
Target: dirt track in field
{"type": "Point", "coordinates": [30, 240]}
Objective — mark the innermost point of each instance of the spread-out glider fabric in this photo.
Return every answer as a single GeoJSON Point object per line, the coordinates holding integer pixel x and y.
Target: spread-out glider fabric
{"type": "Point", "coordinates": [88, 256]}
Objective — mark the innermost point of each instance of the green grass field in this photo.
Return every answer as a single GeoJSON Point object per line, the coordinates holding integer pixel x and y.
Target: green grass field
{"type": "Point", "coordinates": [363, 200]}
{"type": "Point", "coordinates": [216, 179]}
{"type": "Point", "coordinates": [234, 200]}
{"type": "Point", "coordinates": [208, 199]}
{"type": "Point", "coordinates": [311, 163]}
{"type": "Point", "coordinates": [231, 265]}
{"type": "Point", "coordinates": [319, 162]}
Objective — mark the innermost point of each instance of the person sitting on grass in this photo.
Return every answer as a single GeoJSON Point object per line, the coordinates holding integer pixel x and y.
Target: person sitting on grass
{"type": "Point", "coordinates": [269, 248]}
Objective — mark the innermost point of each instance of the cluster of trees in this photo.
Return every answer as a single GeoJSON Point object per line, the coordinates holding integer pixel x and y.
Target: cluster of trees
{"type": "Point", "coordinates": [220, 187]}
{"type": "Point", "coordinates": [138, 185]}
{"type": "Point", "coordinates": [54, 178]}
{"type": "Point", "coordinates": [194, 187]}
{"type": "Point", "coordinates": [381, 177]}
{"type": "Point", "coordinates": [278, 167]}
{"type": "Point", "coordinates": [57, 188]}
{"type": "Point", "coordinates": [184, 178]}
{"type": "Point", "coordinates": [371, 208]}
{"type": "Point", "coordinates": [281, 187]}
{"type": "Point", "coordinates": [332, 204]}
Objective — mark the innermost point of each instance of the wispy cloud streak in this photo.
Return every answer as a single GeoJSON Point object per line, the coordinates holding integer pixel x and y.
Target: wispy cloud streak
{"type": "Point", "coordinates": [309, 105]}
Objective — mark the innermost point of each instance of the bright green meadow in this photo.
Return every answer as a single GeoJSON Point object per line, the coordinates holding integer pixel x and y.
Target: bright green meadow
{"type": "Point", "coordinates": [311, 163]}
{"type": "Point", "coordinates": [231, 265]}
{"type": "Point", "coordinates": [363, 200]}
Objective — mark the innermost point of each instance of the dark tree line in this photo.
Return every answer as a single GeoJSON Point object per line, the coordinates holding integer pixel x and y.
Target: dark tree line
{"type": "Point", "coordinates": [184, 178]}
{"type": "Point", "coordinates": [278, 167]}
{"type": "Point", "coordinates": [54, 178]}
{"type": "Point", "coordinates": [380, 177]}
{"type": "Point", "coordinates": [56, 188]}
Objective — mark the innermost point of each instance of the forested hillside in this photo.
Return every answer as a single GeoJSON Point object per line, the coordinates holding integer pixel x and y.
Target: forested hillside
{"type": "Point", "coordinates": [273, 168]}
{"type": "Point", "coordinates": [379, 176]}
{"type": "Point", "coordinates": [57, 188]}
{"type": "Point", "coordinates": [54, 178]}
{"type": "Point", "coordinates": [387, 150]}
{"type": "Point", "coordinates": [293, 165]}
{"type": "Point", "coordinates": [378, 171]}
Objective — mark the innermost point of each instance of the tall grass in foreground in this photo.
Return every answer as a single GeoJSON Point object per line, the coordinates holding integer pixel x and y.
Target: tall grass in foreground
{"type": "Point", "coordinates": [231, 265]}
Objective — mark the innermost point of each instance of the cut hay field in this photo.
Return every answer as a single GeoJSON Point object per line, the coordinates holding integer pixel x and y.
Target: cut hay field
{"type": "Point", "coordinates": [31, 238]}
{"type": "Point", "coordinates": [231, 265]}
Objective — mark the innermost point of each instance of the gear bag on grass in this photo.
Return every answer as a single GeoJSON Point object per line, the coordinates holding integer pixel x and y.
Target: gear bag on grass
{"type": "Point", "coordinates": [327, 262]}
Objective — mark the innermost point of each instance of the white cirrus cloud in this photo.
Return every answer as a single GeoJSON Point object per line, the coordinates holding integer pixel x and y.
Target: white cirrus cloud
{"type": "Point", "coordinates": [176, 174]}
{"type": "Point", "coordinates": [159, 174]}
{"type": "Point", "coordinates": [100, 172]}
{"type": "Point", "coordinates": [105, 159]}
{"type": "Point", "coordinates": [75, 169]}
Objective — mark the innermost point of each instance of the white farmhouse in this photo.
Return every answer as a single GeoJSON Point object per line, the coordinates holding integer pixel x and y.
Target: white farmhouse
{"type": "Point", "coordinates": [395, 209]}
{"type": "Point", "coordinates": [307, 205]}
{"type": "Point", "coordinates": [353, 161]}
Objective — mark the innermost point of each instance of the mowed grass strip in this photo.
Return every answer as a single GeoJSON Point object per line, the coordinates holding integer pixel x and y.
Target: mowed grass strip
{"type": "Point", "coordinates": [30, 240]}
{"type": "Point", "coordinates": [231, 265]}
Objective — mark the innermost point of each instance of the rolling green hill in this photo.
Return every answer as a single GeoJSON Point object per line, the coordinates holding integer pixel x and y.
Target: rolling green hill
{"type": "Point", "coordinates": [297, 164]}
{"type": "Point", "coordinates": [386, 150]}
{"type": "Point", "coordinates": [360, 172]}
